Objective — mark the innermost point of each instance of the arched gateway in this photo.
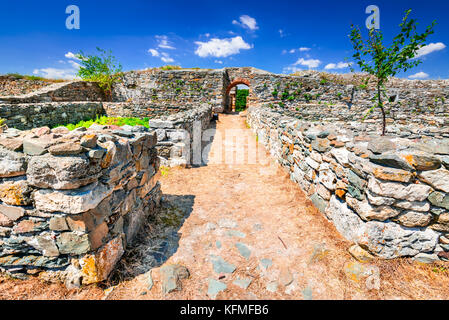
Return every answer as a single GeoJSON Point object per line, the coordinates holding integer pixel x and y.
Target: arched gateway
{"type": "Point", "coordinates": [230, 96]}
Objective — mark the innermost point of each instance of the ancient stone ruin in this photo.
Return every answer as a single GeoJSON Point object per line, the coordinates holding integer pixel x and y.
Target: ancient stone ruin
{"type": "Point", "coordinates": [71, 202]}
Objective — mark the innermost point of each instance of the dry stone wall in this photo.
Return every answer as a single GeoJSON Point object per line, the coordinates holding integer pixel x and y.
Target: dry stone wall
{"type": "Point", "coordinates": [390, 195]}
{"type": "Point", "coordinates": [13, 85]}
{"type": "Point", "coordinates": [179, 136]}
{"type": "Point", "coordinates": [34, 115]}
{"type": "Point", "coordinates": [157, 92]}
{"type": "Point", "coordinates": [70, 202]}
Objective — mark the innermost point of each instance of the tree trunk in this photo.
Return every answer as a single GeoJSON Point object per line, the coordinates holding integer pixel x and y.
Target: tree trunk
{"type": "Point", "coordinates": [381, 106]}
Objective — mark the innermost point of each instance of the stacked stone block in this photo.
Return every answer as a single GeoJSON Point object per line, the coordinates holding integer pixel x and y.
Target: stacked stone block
{"type": "Point", "coordinates": [70, 202]}
{"type": "Point", "coordinates": [387, 194]}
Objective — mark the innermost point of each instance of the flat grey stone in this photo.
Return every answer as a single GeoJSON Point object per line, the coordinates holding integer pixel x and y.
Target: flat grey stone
{"type": "Point", "coordinates": [243, 249]}
{"type": "Point", "coordinates": [215, 287]}
{"type": "Point", "coordinates": [307, 293]}
{"type": "Point", "coordinates": [243, 283]}
{"type": "Point", "coordinates": [266, 263]}
{"type": "Point", "coordinates": [235, 233]}
{"type": "Point", "coordinates": [221, 266]}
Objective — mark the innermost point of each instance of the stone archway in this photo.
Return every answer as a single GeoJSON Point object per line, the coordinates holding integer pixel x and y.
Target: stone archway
{"type": "Point", "coordinates": [233, 84]}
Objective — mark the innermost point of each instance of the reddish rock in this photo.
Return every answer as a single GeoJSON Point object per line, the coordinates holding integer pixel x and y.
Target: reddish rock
{"type": "Point", "coordinates": [63, 149]}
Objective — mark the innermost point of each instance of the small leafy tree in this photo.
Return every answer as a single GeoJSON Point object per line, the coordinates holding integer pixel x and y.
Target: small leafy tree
{"type": "Point", "coordinates": [101, 68]}
{"type": "Point", "coordinates": [373, 57]}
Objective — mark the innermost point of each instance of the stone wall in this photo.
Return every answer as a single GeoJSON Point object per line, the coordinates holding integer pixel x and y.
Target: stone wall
{"type": "Point", "coordinates": [310, 96]}
{"type": "Point", "coordinates": [317, 96]}
{"type": "Point", "coordinates": [12, 85]}
{"type": "Point", "coordinates": [70, 202]}
{"type": "Point", "coordinates": [60, 92]}
{"type": "Point", "coordinates": [179, 136]}
{"type": "Point", "coordinates": [158, 92]}
{"type": "Point", "coordinates": [34, 115]}
{"type": "Point", "coordinates": [389, 195]}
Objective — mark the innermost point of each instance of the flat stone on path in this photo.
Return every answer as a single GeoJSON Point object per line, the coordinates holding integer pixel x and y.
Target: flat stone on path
{"type": "Point", "coordinates": [235, 233]}
{"type": "Point", "coordinates": [307, 293]}
{"type": "Point", "coordinates": [266, 263]}
{"type": "Point", "coordinates": [243, 283]}
{"type": "Point", "coordinates": [215, 287]}
{"type": "Point", "coordinates": [171, 276]}
{"type": "Point", "coordinates": [243, 249]}
{"type": "Point", "coordinates": [221, 266]}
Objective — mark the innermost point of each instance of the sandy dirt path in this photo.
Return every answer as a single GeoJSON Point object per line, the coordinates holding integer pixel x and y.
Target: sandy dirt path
{"type": "Point", "coordinates": [244, 231]}
{"type": "Point", "coordinates": [251, 217]}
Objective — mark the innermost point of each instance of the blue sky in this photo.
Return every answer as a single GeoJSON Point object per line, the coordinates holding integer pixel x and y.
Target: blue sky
{"type": "Point", "coordinates": [278, 36]}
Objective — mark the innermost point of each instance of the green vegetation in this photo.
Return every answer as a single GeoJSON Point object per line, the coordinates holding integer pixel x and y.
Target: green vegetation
{"type": "Point", "coordinates": [382, 62]}
{"type": "Point", "coordinates": [102, 69]}
{"type": "Point", "coordinates": [240, 99]}
{"type": "Point", "coordinates": [169, 67]}
{"type": "Point", "coordinates": [308, 97]}
{"type": "Point", "coordinates": [107, 121]}
{"type": "Point", "coordinates": [19, 76]}
{"type": "Point", "coordinates": [164, 171]}
{"type": "Point", "coordinates": [275, 93]}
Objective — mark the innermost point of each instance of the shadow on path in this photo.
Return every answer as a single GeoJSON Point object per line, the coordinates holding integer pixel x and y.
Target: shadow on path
{"type": "Point", "coordinates": [158, 239]}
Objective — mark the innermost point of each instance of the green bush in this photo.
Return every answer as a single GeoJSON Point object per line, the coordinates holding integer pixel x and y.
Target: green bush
{"type": "Point", "coordinates": [102, 69]}
{"type": "Point", "coordinates": [107, 121]}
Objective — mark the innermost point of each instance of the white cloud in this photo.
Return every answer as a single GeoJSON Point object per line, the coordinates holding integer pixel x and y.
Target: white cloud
{"type": "Point", "coordinates": [310, 63]}
{"type": "Point", "coordinates": [154, 52]}
{"type": "Point", "coordinates": [284, 51]}
{"type": "Point", "coordinates": [247, 22]}
{"type": "Point", "coordinates": [164, 43]}
{"type": "Point", "coordinates": [281, 33]}
{"type": "Point", "coordinates": [291, 69]}
{"type": "Point", "coordinates": [419, 75]}
{"type": "Point", "coordinates": [74, 64]}
{"type": "Point", "coordinates": [221, 48]}
{"type": "Point", "coordinates": [166, 58]}
{"type": "Point", "coordinates": [61, 73]}
{"type": "Point", "coordinates": [340, 65]}
{"type": "Point", "coordinates": [292, 51]}
{"type": "Point", "coordinates": [54, 73]}
{"type": "Point", "coordinates": [218, 61]}
{"type": "Point", "coordinates": [70, 55]}
{"type": "Point", "coordinates": [431, 47]}
{"type": "Point", "coordinates": [303, 49]}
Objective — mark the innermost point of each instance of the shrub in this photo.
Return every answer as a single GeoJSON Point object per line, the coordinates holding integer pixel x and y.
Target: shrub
{"type": "Point", "coordinates": [102, 69]}
{"type": "Point", "coordinates": [169, 67]}
{"type": "Point", "coordinates": [104, 120]}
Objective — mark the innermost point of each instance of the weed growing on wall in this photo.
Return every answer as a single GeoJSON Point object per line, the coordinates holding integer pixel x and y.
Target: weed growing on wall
{"type": "Point", "coordinates": [107, 121]}
{"type": "Point", "coordinates": [102, 68]}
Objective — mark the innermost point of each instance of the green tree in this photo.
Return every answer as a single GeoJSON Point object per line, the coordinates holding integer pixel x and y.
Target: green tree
{"type": "Point", "coordinates": [101, 68]}
{"type": "Point", "coordinates": [373, 57]}
{"type": "Point", "coordinates": [240, 99]}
